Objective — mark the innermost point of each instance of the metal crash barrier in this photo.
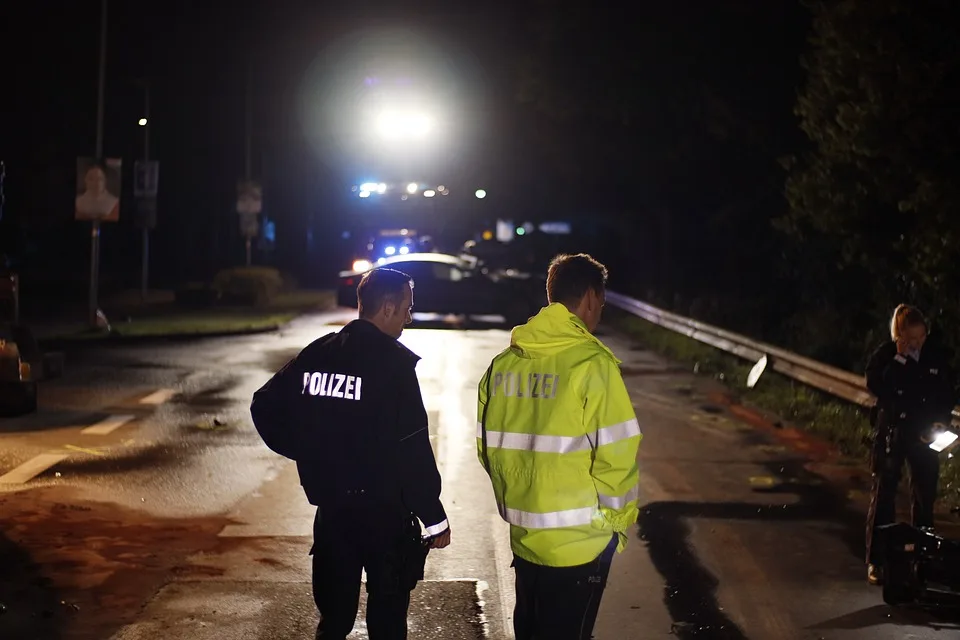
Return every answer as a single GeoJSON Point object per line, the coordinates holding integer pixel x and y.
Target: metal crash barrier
{"type": "Point", "coordinates": [833, 380]}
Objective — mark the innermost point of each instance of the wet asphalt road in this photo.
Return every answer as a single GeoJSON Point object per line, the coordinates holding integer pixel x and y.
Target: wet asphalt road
{"type": "Point", "coordinates": [140, 502]}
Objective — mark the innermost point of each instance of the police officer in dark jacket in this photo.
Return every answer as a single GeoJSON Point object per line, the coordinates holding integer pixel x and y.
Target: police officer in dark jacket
{"type": "Point", "coordinates": [913, 380]}
{"type": "Point", "coordinates": [348, 410]}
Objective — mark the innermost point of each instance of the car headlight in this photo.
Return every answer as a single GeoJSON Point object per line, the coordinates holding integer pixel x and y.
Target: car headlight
{"type": "Point", "coordinates": [361, 265]}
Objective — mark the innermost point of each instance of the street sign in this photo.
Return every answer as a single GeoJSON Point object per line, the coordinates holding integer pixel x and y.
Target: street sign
{"type": "Point", "coordinates": [249, 226]}
{"type": "Point", "coordinates": [146, 176]}
{"type": "Point", "coordinates": [249, 197]}
{"type": "Point", "coordinates": [98, 189]}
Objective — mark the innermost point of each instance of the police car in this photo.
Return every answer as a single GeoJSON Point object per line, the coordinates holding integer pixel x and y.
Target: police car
{"type": "Point", "coordinates": [449, 284]}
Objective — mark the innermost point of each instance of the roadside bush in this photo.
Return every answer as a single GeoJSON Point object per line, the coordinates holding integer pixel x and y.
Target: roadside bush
{"type": "Point", "coordinates": [196, 295]}
{"type": "Point", "coordinates": [250, 286]}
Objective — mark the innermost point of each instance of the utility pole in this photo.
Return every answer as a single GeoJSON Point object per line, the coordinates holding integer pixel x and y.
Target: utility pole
{"type": "Point", "coordinates": [95, 225]}
{"type": "Point", "coordinates": [247, 146]}
{"type": "Point", "coordinates": [145, 267]}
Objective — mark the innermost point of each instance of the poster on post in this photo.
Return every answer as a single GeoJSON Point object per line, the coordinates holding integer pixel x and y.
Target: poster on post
{"type": "Point", "coordinates": [98, 189]}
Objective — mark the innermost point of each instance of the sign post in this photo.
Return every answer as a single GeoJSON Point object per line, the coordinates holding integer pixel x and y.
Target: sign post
{"type": "Point", "coordinates": [145, 184]}
{"type": "Point", "coordinates": [95, 221]}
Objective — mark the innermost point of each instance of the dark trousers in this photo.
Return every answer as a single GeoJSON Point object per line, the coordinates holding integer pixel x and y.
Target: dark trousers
{"type": "Point", "coordinates": [887, 467]}
{"type": "Point", "coordinates": [347, 540]}
{"type": "Point", "coordinates": [560, 603]}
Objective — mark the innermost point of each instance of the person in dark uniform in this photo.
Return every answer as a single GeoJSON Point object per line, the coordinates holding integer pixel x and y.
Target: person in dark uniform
{"type": "Point", "coordinates": [348, 410]}
{"type": "Point", "coordinates": [913, 380]}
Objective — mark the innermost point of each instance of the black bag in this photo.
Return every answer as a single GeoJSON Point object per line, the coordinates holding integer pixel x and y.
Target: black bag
{"type": "Point", "coordinates": [406, 560]}
{"type": "Point", "coordinates": [413, 555]}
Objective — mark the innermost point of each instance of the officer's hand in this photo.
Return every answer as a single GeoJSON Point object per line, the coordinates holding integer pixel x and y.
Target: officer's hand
{"type": "Point", "coordinates": [440, 541]}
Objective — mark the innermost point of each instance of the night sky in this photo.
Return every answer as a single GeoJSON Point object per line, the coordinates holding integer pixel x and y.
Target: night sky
{"type": "Point", "coordinates": [717, 86]}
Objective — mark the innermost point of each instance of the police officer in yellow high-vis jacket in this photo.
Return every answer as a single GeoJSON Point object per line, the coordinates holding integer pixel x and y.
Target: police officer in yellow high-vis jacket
{"type": "Point", "coordinates": [558, 436]}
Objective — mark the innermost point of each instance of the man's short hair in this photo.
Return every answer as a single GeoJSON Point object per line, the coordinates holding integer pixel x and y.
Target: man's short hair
{"type": "Point", "coordinates": [380, 286]}
{"type": "Point", "coordinates": [569, 277]}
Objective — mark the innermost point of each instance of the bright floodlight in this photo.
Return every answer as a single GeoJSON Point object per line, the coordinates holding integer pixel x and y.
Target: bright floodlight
{"type": "Point", "coordinates": [369, 186]}
{"type": "Point", "coordinates": [481, 194]}
{"type": "Point", "coordinates": [412, 188]}
{"type": "Point", "coordinates": [394, 125]}
{"type": "Point", "coordinates": [381, 188]}
{"type": "Point", "coordinates": [943, 441]}
{"type": "Point", "coordinates": [142, 122]}
{"type": "Point", "coordinates": [390, 250]}
{"type": "Point", "coordinates": [361, 265]}
{"type": "Point", "coordinates": [404, 250]}
{"type": "Point", "coordinates": [429, 193]}
{"type": "Point", "coordinates": [364, 194]}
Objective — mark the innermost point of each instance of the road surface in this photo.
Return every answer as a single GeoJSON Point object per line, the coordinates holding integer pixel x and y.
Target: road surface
{"type": "Point", "coordinates": [140, 503]}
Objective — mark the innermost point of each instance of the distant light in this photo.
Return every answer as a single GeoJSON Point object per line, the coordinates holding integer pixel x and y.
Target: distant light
{"type": "Point", "coordinates": [364, 194]}
{"type": "Point", "coordinates": [488, 235]}
{"type": "Point", "coordinates": [142, 122]}
{"type": "Point", "coordinates": [404, 250]}
{"type": "Point", "coordinates": [381, 188]}
{"type": "Point", "coordinates": [396, 125]}
{"type": "Point", "coordinates": [361, 265]}
{"type": "Point", "coordinates": [441, 188]}
{"type": "Point", "coordinates": [390, 250]}
{"type": "Point", "coordinates": [429, 193]}
{"type": "Point", "coordinates": [481, 194]}
{"type": "Point", "coordinates": [404, 232]}
{"type": "Point", "coordinates": [412, 188]}
{"type": "Point", "coordinates": [521, 231]}
{"type": "Point", "coordinates": [353, 188]}
{"type": "Point", "coordinates": [369, 186]}
{"type": "Point", "coordinates": [381, 260]}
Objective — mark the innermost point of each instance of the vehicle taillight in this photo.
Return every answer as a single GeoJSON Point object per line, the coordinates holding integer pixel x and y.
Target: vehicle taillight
{"type": "Point", "coordinates": [348, 281]}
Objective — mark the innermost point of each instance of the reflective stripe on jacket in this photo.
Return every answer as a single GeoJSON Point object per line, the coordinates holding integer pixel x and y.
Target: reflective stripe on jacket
{"type": "Point", "coordinates": [558, 436]}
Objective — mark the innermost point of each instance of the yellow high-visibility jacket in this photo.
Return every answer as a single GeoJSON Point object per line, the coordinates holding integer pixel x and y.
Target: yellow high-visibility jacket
{"type": "Point", "coordinates": [558, 436]}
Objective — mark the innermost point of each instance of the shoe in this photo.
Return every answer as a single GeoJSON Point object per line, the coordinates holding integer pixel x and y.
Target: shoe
{"type": "Point", "coordinates": [874, 575]}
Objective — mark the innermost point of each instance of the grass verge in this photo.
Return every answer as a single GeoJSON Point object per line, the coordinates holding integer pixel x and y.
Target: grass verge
{"type": "Point", "coordinates": [168, 320]}
{"type": "Point", "coordinates": [839, 422]}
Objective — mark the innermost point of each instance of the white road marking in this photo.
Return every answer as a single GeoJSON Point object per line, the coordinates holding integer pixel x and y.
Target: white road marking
{"type": "Point", "coordinates": [108, 425]}
{"type": "Point", "coordinates": [159, 396]}
{"type": "Point", "coordinates": [503, 556]}
{"type": "Point", "coordinates": [32, 468]}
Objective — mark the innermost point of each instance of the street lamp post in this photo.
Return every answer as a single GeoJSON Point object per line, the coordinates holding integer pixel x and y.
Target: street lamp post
{"type": "Point", "coordinates": [145, 123]}
{"type": "Point", "coordinates": [95, 225]}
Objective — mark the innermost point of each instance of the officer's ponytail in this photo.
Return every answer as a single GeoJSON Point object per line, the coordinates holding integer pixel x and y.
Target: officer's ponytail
{"type": "Point", "coordinates": [905, 316]}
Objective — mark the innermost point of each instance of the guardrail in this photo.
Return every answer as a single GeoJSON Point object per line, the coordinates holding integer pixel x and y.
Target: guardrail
{"type": "Point", "coordinates": [833, 380]}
